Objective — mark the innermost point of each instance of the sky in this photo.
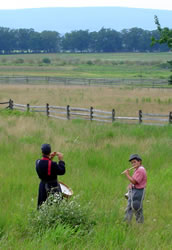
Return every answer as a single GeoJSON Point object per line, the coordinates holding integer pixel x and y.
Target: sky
{"type": "Point", "coordinates": [146, 4]}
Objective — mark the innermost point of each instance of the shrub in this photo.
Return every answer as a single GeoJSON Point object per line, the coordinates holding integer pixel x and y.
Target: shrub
{"type": "Point", "coordinates": [19, 60]}
{"type": "Point", "coordinates": [57, 211]}
{"type": "Point", "coordinates": [4, 60]}
{"type": "Point", "coordinates": [89, 62]}
{"type": "Point", "coordinates": [46, 60]}
{"type": "Point", "coordinates": [170, 80]}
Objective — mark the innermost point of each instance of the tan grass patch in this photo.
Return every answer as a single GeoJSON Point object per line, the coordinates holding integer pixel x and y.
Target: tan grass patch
{"type": "Point", "coordinates": [124, 101]}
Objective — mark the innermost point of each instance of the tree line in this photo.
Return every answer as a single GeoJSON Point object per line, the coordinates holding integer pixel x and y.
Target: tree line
{"type": "Point", "coordinates": [104, 40]}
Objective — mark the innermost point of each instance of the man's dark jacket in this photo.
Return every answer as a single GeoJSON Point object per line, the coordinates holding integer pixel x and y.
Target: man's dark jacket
{"type": "Point", "coordinates": [48, 177]}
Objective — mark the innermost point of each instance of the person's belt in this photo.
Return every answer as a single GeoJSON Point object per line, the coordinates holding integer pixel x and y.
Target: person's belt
{"type": "Point", "coordinates": [137, 188]}
{"type": "Point", "coordinates": [49, 182]}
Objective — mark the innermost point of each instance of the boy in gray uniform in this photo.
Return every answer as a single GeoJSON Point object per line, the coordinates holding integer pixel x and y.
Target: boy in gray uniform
{"type": "Point", "coordinates": [136, 189]}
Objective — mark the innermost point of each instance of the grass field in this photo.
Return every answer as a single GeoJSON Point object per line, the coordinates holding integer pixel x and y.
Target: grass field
{"type": "Point", "coordinates": [126, 101]}
{"type": "Point", "coordinates": [106, 65]}
{"type": "Point", "coordinates": [95, 155]}
{"type": "Point", "coordinates": [94, 163]}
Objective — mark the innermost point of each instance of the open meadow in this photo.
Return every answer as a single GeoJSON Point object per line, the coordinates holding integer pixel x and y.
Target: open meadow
{"type": "Point", "coordinates": [95, 155]}
{"type": "Point", "coordinates": [87, 65]}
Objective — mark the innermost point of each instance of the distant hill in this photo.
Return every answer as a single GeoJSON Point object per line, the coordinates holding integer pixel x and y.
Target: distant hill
{"type": "Point", "coordinates": [92, 18]}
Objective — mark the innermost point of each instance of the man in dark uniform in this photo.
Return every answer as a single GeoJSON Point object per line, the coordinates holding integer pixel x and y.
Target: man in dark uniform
{"type": "Point", "coordinates": [47, 171]}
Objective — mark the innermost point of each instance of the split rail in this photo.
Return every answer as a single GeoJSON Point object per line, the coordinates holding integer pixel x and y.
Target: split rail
{"type": "Point", "coordinates": [92, 114]}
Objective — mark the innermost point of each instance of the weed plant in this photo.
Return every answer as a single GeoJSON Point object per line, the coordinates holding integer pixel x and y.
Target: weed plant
{"type": "Point", "coordinates": [46, 60]}
{"type": "Point", "coordinates": [57, 211]}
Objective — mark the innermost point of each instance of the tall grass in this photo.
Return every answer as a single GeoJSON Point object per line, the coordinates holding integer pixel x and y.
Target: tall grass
{"type": "Point", "coordinates": [94, 162]}
{"type": "Point", "coordinates": [126, 101]}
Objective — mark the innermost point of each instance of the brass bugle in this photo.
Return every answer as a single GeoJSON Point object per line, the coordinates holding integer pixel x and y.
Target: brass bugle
{"type": "Point", "coordinates": [126, 169]}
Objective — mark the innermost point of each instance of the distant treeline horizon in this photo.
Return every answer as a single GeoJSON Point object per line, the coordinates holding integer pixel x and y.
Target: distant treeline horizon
{"type": "Point", "coordinates": [13, 41]}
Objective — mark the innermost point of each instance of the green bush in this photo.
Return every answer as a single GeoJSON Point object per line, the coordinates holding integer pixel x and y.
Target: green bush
{"type": "Point", "coordinates": [89, 62]}
{"type": "Point", "coordinates": [57, 211]}
{"type": "Point", "coordinates": [46, 60]}
{"type": "Point", "coordinates": [19, 60]}
{"type": "Point", "coordinates": [4, 60]}
{"type": "Point", "coordinates": [170, 80]}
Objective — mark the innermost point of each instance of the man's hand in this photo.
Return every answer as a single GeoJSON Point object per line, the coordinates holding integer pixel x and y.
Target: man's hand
{"type": "Point", "coordinates": [130, 178]}
{"type": "Point", "coordinates": [60, 156]}
{"type": "Point", "coordinates": [127, 172]}
{"type": "Point", "coordinates": [52, 155]}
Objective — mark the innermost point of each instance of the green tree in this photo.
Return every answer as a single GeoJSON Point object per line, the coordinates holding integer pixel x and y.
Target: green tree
{"type": "Point", "coordinates": [50, 41]}
{"type": "Point", "coordinates": [76, 41]}
{"type": "Point", "coordinates": [23, 39]}
{"type": "Point", "coordinates": [136, 40]}
{"type": "Point", "coordinates": [108, 40]}
{"type": "Point", "coordinates": [35, 42]}
{"type": "Point", "coordinates": [7, 40]}
{"type": "Point", "coordinates": [165, 34]}
{"type": "Point", "coordinates": [165, 37]}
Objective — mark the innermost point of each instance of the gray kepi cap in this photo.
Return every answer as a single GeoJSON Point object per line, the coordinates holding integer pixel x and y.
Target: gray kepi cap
{"type": "Point", "coordinates": [135, 156]}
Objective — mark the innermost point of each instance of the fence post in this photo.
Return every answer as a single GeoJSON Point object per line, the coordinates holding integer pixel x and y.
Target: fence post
{"type": "Point", "coordinates": [47, 109]}
{"type": "Point", "coordinates": [27, 79]}
{"type": "Point", "coordinates": [68, 112]}
{"type": "Point", "coordinates": [28, 107]}
{"type": "Point", "coordinates": [170, 118]}
{"type": "Point", "coordinates": [91, 113]}
{"type": "Point", "coordinates": [11, 104]}
{"type": "Point", "coordinates": [140, 116]}
{"type": "Point", "coordinates": [113, 115]}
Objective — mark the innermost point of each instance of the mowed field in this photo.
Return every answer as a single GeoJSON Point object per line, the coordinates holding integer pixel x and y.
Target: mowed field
{"type": "Point", "coordinates": [95, 155]}
{"type": "Point", "coordinates": [83, 65]}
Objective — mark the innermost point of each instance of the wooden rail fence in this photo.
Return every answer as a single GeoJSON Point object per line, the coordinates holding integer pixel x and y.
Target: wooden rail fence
{"type": "Point", "coordinates": [140, 82]}
{"type": "Point", "coordinates": [68, 113]}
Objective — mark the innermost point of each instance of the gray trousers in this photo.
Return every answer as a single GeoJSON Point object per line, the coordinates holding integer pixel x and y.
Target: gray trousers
{"type": "Point", "coordinates": [135, 205]}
